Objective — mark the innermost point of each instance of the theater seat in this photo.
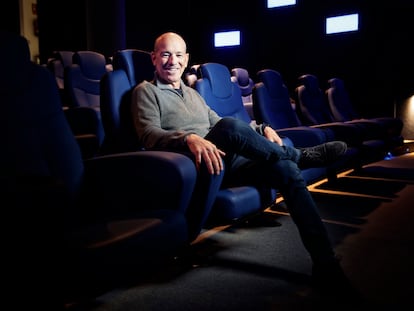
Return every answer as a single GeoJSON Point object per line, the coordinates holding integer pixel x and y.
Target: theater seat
{"type": "Point", "coordinates": [313, 110]}
{"type": "Point", "coordinates": [242, 78]}
{"type": "Point", "coordinates": [224, 96]}
{"type": "Point", "coordinates": [272, 105]}
{"type": "Point", "coordinates": [82, 85]}
{"type": "Point", "coordinates": [74, 224]}
{"type": "Point", "coordinates": [342, 109]}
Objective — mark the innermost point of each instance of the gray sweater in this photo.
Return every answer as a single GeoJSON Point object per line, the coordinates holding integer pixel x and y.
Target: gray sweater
{"type": "Point", "coordinates": [163, 117]}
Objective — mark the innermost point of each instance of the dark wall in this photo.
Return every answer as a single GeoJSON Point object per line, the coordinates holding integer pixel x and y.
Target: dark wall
{"type": "Point", "coordinates": [376, 62]}
{"type": "Point", "coordinates": [10, 17]}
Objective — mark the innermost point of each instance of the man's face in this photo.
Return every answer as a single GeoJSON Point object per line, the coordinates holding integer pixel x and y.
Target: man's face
{"type": "Point", "coordinates": [170, 60]}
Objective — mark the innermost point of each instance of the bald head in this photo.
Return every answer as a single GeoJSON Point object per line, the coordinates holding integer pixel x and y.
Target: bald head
{"type": "Point", "coordinates": [170, 58]}
{"type": "Point", "coordinates": [169, 37]}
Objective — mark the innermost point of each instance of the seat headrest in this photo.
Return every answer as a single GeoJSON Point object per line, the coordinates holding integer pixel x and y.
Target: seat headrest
{"type": "Point", "coordinates": [92, 64]}
{"type": "Point", "coordinates": [219, 77]}
{"type": "Point", "coordinates": [195, 69]}
{"type": "Point", "coordinates": [241, 75]}
{"type": "Point", "coordinates": [336, 83]}
{"type": "Point", "coordinates": [136, 63]}
{"type": "Point", "coordinates": [16, 63]}
{"type": "Point", "coordinates": [242, 78]}
{"type": "Point", "coordinates": [272, 81]}
{"type": "Point", "coordinates": [310, 82]}
{"type": "Point", "coordinates": [65, 57]}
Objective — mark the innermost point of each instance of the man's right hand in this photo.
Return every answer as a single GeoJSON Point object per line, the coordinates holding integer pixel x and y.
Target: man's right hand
{"type": "Point", "coordinates": [203, 149]}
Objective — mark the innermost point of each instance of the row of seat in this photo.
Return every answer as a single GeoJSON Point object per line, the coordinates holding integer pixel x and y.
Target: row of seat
{"type": "Point", "coordinates": [331, 110]}
{"type": "Point", "coordinates": [223, 95]}
{"type": "Point", "coordinates": [272, 105]}
{"type": "Point", "coordinates": [210, 203]}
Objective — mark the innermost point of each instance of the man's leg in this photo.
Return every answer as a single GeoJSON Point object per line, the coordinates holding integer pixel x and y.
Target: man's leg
{"type": "Point", "coordinates": [237, 137]}
{"type": "Point", "coordinates": [285, 176]}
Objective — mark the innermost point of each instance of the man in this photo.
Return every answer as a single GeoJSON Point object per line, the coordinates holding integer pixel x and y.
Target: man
{"type": "Point", "coordinates": [170, 115]}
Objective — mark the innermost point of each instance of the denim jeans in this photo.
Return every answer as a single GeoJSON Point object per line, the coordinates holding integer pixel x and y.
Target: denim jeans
{"type": "Point", "coordinates": [253, 159]}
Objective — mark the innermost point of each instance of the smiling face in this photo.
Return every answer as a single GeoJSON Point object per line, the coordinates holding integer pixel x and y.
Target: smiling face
{"type": "Point", "coordinates": [170, 58]}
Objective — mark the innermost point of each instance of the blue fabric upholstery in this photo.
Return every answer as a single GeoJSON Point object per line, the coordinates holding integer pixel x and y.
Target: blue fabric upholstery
{"type": "Point", "coordinates": [242, 78]}
{"type": "Point", "coordinates": [313, 109]}
{"type": "Point", "coordinates": [220, 93]}
{"type": "Point", "coordinates": [81, 84]}
{"type": "Point", "coordinates": [224, 96]}
{"type": "Point", "coordinates": [78, 218]}
{"type": "Point", "coordinates": [137, 65]}
{"type": "Point", "coordinates": [83, 76]}
{"type": "Point", "coordinates": [57, 65]}
{"type": "Point", "coordinates": [120, 135]}
{"type": "Point", "coordinates": [387, 128]}
{"type": "Point", "coordinates": [272, 105]}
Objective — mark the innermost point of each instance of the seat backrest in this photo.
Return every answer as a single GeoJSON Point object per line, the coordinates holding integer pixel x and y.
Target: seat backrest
{"type": "Point", "coordinates": [343, 110]}
{"type": "Point", "coordinates": [38, 138]}
{"type": "Point", "coordinates": [57, 65]}
{"type": "Point", "coordinates": [82, 88]}
{"type": "Point", "coordinates": [220, 93]}
{"type": "Point", "coordinates": [137, 65]}
{"type": "Point", "coordinates": [311, 105]}
{"type": "Point", "coordinates": [130, 67]}
{"type": "Point", "coordinates": [339, 101]}
{"type": "Point", "coordinates": [242, 78]}
{"type": "Point", "coordinates": [272, 101]}
{"type": "Point", "coordinates": [82, 78]}
{"type": "Point", "coordinates": [120, 134]}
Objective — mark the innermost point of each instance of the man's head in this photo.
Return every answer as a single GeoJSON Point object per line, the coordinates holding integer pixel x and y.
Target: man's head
{"type": "Point", "coordinates": [170, 58]}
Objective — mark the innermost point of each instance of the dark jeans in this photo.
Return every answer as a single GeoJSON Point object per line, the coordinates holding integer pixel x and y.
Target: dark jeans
{"type": "Point", "coordinates": [253, 159]}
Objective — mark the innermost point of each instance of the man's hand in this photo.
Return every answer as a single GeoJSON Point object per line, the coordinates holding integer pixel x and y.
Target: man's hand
{"type": "Point", "coordinates": [271, 135]}
{"type": "Point", "coordinates": [202, 149]}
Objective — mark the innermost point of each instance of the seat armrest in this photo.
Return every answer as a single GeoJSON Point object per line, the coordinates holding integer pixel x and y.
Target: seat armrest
{"type": "Point", "coordinates": [304, 136]}
{"type": "Point", "coordinates": [348, 133]}
{"type": "Point", "coordinates": [140, 180]}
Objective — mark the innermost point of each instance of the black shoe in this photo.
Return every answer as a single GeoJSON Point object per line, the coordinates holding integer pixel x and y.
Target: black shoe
{"type": "Point", "coordinates": [321, 155]}
{"type": "Point", "coordinates": [330, 281]}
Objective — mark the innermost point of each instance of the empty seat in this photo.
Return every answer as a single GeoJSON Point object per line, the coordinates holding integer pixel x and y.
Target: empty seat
{"type": "Point", "coordinates": [342, 109]}
{"type": "Point", "coordinates": [242, 78]}
{"type": "Point", "coordinates": [224, 96]}
{"type": "Point", "coordinates": [82, 85]}
{"type": "Point", "coordinates": [313, 110]}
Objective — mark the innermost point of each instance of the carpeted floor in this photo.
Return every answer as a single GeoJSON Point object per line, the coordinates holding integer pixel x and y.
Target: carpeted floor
{"type": "Point", "coordinates": [369, 215]}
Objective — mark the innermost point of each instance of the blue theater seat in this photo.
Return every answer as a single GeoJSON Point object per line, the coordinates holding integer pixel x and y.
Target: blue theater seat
{"type": "Point", "coordinates": [120, 135]}
{"type": "Point", "coordinates": [342, 110]}
{"type": "Point", "coordinates": [72, 221]}
{"type": "Point", "coordinates": [313, 110]}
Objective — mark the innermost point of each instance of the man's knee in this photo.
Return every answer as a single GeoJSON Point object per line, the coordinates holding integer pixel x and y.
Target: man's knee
{"type": "Point", "coordinates": [230, 124]}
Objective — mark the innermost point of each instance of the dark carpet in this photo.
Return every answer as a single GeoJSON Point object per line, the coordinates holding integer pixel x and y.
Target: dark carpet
{"type": "Point", "coordinates": [369, 214]}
